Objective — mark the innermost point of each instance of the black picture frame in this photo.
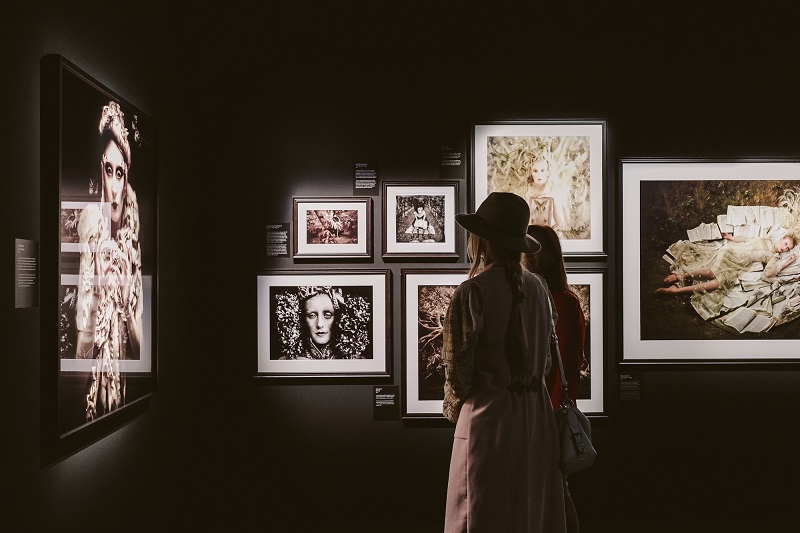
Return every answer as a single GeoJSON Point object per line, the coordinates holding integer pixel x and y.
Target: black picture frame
{"type": "Point", "coordinates": [432, 236]}
{"type": "Point", "coordinates": [588, 282]}
{"type": "Point", "coordinates": [332, 228]}
{"type": "Point", "coordinates": [426, 294]}
{"type": "Point", "coordinates": [99, 259]}
{"type": "Point", "coordinates": [357, 343]}
{"type": "Point", "coordinates": [683, 194]}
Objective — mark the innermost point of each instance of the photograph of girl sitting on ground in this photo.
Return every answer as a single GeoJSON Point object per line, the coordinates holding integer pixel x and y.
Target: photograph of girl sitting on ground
{"type": "Point", "coordinates": [420, 218]}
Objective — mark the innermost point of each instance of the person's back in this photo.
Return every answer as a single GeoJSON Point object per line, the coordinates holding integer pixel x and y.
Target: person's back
{"type": "Point", "coordinates": [504, 465]}
{"type": "Point", "coordinates": [496, 298]}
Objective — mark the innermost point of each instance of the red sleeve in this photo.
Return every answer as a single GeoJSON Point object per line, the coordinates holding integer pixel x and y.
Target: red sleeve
{"type": "Point", "coordinates": [571, 331]}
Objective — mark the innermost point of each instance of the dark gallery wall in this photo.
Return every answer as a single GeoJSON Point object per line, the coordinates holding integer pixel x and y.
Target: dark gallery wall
{"type": "Point", "coordinates": [255, 106]}
{"type": "Point", "coordinates": [140, 465]}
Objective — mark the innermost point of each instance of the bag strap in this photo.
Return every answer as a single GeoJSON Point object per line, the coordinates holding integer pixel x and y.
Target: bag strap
{"type": "Point", "coordinates": [565, 399]}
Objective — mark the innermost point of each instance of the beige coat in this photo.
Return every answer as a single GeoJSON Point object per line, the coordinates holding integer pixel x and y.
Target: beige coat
{"type": "Point", "coordinates": [504, 474]}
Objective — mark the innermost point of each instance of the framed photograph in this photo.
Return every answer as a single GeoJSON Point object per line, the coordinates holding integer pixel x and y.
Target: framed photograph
{"type": "Point", "coordinates": [588, 284]}
{"type": "Point", "coordinates": [420, 219]}
{"type": "Point", "coordinates": [324, 324]}
{"type": "Point", "coordinates": [327, 228]}
{"type": "Point", "coordinates": [556, 166]}
{"type": "Point", "coordinates": [426, 297]}
{"type": "Point", "coordinates": [708, 260]}
{"type": "Point", "coordinates": [99, 205]}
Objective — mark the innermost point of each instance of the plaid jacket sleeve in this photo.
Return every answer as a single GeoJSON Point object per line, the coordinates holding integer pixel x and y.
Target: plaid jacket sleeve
{"type": "Point", "coordinates": [461, 329]}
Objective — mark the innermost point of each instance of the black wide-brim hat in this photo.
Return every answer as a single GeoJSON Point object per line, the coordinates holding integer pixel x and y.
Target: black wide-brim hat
{"type": "Point", "coordinates": [502, 219]}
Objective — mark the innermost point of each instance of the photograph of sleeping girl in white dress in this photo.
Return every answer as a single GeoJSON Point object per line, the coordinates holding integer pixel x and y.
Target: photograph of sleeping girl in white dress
{"type": "Point", "coordinates": [719, 258]}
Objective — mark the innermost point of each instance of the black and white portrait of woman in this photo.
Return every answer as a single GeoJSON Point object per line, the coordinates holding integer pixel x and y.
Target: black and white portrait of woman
{"type": "Point", "coordinates": [109, 312]}
{"type": "Point", "coordinates": [327, 323]}
{"type": "Point", "coordinates": [106, 268]}
{"type": "Point", "coordinates": [322, 322]}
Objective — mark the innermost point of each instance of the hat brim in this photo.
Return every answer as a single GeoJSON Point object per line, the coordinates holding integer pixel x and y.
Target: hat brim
{"type": "Point", "coordinates": [517, 243]}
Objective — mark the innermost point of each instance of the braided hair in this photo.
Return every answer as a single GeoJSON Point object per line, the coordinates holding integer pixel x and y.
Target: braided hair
{"type": "Point", "coordinates": [483, 252]}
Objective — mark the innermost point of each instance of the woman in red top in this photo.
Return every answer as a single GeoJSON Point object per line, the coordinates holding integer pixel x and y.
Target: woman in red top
{"type": "Point", "coordinates": [570, 328]}
{"type": "Point", "coordinates": [571, 325]}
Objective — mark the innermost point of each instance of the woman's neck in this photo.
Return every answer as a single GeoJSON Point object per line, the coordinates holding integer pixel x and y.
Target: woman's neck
{"type": "Point", "coordinates": [537, 190]}
{"type": "Point", "coordinates": [322, 351]}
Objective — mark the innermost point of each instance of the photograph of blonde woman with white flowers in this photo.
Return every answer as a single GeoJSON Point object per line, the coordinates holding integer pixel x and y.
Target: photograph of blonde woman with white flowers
{"type": "Point", "coordinates": [557, 167]}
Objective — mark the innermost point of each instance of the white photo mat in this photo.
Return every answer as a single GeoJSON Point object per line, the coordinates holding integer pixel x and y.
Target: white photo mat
{"type": "Point", "coordinates": [416, 407]}
{"type": "Point", "coordinates": [144, 363]}
{"type": "Point", "coordinates": [446, 245]}
{"type": "Point", "coordinates": [359, 248]}
{"type": "Point", "coordinates": [593, 404]}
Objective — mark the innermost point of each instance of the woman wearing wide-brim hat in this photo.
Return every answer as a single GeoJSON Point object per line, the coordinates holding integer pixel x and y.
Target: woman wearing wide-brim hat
{"type": "Point", "coordinates": [504, 472]}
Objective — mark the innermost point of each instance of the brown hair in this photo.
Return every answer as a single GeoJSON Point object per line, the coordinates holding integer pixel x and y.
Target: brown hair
{"type": "Point", "coordinates": [549, 261]}
{"type": "Point", "coordinates": [481, 252]}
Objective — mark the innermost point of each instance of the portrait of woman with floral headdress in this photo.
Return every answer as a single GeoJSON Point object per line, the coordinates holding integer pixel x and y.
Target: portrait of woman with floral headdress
{"type": "Point", "coordinates": [316, 322]}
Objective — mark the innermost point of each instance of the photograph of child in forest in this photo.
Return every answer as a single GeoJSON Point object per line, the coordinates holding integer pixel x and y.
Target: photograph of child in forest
{"type": "Point", "coordinates": [420, 218]}
{"type": "Point", "coordinates": [332, 226]}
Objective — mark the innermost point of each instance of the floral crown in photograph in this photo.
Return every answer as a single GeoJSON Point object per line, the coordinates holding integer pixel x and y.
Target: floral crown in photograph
{"type": "Point", "coordinates": [113, 120]}
{"type": "Point", "coordinates": [309, 291]}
